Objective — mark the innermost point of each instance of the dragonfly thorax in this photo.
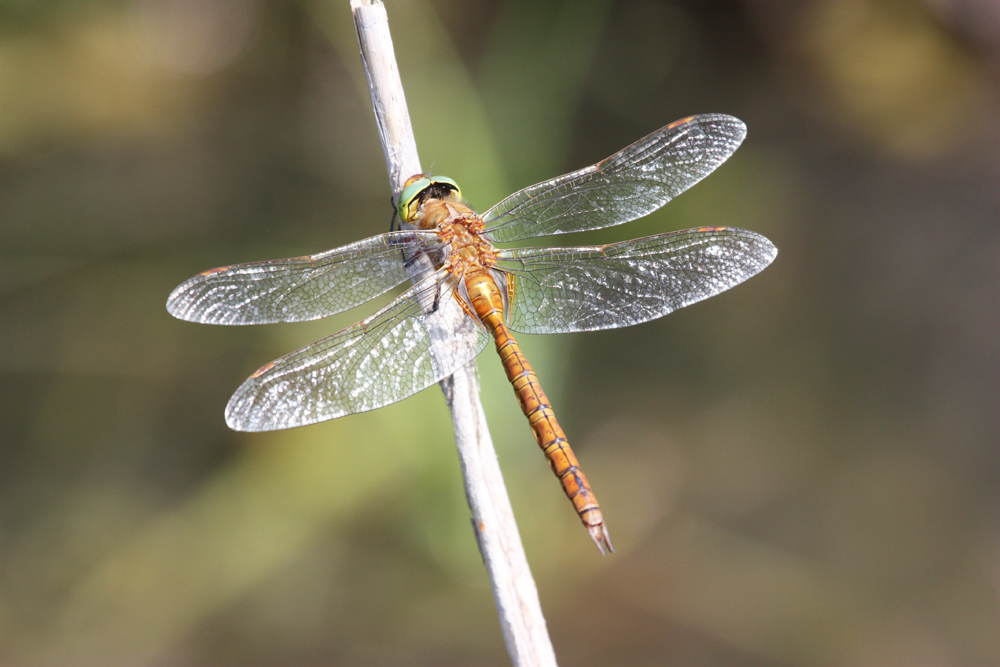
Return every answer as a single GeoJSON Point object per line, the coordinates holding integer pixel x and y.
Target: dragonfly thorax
{"type": "Point", "coordinates": [460, 228]}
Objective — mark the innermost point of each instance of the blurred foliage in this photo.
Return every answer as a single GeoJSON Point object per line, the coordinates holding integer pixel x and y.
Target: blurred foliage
{"type": "Point", "coordinates": [803, 470]}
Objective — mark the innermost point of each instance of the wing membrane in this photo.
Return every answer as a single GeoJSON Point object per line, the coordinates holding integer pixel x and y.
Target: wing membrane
{"type": "Point", "coordinates": [405, 347]}
{"type": "Point", "coordinates": [300, 288]}
{"type": "Point", "coordinates": [630, 184]}
{"type": "Point", "coordinates": [558, 290]}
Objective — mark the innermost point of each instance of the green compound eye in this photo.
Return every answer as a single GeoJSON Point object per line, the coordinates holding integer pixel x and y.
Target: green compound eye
{"type": "Point", "coordinates": [408, 201]}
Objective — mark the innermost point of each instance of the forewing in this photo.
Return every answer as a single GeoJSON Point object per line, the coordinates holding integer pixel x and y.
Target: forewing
{"type": "Point", "coordinates": [405, 347]}
{"type": "Point", "coordinates": [628, 185]}
{"type": "Point", "coordinates": [300, 288]}
{"type": "Point", "coordinates": [558, 290]}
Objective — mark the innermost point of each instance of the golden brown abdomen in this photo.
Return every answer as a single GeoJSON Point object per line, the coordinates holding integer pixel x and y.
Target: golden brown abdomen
{"type": "Point", "coordinates": [487, 302]}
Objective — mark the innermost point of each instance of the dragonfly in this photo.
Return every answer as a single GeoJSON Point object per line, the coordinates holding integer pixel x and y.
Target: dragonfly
{"type": "Point", "coordinates": [467, 292]}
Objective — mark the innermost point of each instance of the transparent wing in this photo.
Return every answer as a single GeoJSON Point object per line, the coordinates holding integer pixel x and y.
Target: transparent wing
{"type": "Point", "coordinates": [631, 183]}
{"type": "Point", "coordinates": [558, 290]}
{"type": "Point", "coordinates": [405, 347]}
{"type": "Point", "coordinates": [300, 288]}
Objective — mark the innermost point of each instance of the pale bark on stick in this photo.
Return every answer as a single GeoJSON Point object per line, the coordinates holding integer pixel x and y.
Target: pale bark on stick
{"type": "Point", "coordinates": [514, 590]}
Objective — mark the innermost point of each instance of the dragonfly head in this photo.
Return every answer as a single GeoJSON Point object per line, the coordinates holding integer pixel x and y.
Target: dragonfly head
{"type": "Point", "coordinates": [421, 187]}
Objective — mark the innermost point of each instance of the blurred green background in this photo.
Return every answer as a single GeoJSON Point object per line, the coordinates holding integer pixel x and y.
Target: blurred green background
{"type": "Point", "coordinates": [802, 471]}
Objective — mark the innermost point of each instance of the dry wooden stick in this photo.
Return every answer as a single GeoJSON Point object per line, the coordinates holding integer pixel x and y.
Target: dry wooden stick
{"type": "Point", "coordinates": [514, 589]}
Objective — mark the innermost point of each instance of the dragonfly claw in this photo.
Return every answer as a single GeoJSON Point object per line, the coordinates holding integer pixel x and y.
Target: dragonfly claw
{"type": "Point", "coordinates": [599, 534]}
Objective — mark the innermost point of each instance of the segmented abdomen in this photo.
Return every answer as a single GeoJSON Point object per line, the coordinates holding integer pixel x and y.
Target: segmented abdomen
{"type": "Point", "coordinates": [487, 302]}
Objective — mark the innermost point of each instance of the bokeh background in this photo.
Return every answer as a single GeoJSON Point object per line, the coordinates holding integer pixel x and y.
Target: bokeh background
{"type": "Point", "coordinates": [802, 471]}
